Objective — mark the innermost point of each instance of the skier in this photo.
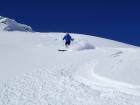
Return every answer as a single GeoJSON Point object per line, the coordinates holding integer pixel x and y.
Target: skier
{"type": "Point", "coordinates": [67, 39]}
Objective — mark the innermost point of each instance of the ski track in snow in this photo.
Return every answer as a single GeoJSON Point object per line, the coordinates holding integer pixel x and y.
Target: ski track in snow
{"type": "Point", "coordinates": [82, 80]}
{"type": "Point", "coordinates": [55, 87]}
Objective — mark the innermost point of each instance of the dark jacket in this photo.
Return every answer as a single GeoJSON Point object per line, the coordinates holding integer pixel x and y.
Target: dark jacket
{"type": "Point", "coordinates": [68, 38]}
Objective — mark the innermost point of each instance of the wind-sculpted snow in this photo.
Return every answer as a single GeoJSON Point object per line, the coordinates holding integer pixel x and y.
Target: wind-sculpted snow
{"type": "Point", "coordinates": [7, 24]}
{"type": "Point", "coordinates": [93, 71]}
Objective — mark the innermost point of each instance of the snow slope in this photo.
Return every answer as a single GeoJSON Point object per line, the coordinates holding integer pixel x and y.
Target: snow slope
{"type": "Point", "coordinates": [94, 71]}
{"type": "Point", "coordinates": [7, 24]}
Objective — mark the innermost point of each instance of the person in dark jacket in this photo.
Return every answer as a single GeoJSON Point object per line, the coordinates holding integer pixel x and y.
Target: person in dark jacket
{"type": "Point", "coordinates": [67, 39]}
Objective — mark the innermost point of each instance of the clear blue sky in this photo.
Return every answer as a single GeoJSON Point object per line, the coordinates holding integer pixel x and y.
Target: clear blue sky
{"type": "Point", "coordinates": [113, 19]}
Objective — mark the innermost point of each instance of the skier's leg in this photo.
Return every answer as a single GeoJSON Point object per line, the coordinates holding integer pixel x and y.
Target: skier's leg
{"type": "Point", "coordinates": [66, 44]}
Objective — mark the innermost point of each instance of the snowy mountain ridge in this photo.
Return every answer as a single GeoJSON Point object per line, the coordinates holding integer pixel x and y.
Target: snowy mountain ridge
{"type": "Point", "coordinates": [7, 24]}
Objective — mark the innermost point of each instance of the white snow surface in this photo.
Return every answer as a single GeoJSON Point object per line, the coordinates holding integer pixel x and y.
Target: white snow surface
{"type": "Point", "coordinates": [7, 24]}
{"type": "Point", "coordinates": [93, 71]}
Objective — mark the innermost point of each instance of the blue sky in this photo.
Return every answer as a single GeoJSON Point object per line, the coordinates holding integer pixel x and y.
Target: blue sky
{"type": "Point", "coordinates": [114, 19]}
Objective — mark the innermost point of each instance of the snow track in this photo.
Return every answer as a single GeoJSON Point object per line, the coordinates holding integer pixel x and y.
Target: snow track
{"type": "Point", "coordinates": [95, 71]}
{"type": "Point", "coordinates": [48, 87]}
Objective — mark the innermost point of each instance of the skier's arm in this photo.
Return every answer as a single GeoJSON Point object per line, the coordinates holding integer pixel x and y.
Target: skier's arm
{"type": "Point", "coordinates": [64, 37]}
{"type": "Point", "coordinates": [71, 38]}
